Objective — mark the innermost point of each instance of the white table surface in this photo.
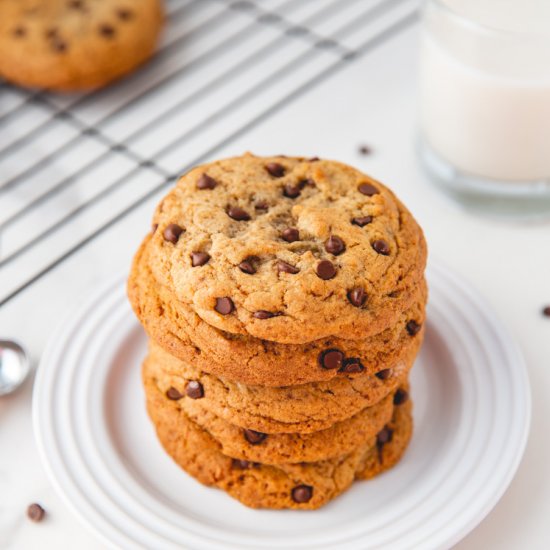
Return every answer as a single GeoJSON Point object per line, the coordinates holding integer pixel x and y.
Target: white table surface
{"type": "Point", "coordinates": [372, 101]}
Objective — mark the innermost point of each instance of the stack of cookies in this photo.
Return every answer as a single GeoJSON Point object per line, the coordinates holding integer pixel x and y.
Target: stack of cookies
{"type": "Point", "coordinates": [284, 300]}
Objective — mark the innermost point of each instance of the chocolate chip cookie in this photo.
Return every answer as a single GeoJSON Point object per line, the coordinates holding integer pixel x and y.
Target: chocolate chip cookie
{"type": "Point", "coordinates": [306, 485]}
{"type": "Point", "coordinates": [240, 358]}
{"type": "Point", "coordinates": [300, 409]}
{"type": "Point", "coordinates": [288, 249]}
{"type": "Point", "coordinates": [75, 44]}
{"type": "Point", "coordinates": [275, 448]}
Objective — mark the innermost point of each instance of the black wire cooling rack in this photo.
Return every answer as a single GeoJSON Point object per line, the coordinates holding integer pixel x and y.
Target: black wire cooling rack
{"type": "Point", "coordinates": [72, 166]}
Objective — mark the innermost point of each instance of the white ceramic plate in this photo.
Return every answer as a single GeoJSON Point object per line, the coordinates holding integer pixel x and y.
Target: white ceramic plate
{"type": "Point", "coordinates": [472, 411]}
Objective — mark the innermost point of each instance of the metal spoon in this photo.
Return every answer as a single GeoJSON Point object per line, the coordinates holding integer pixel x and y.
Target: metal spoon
{"type": "Point", "coordinates": [14, 366]}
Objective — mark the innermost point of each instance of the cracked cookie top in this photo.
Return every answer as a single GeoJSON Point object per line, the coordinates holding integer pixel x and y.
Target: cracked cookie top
{"type": "Point", "coordinates": [287, 249]}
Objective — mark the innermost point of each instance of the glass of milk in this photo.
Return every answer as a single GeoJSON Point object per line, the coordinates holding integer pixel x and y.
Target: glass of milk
{"type": "Point", "coordinates": [485, 102]}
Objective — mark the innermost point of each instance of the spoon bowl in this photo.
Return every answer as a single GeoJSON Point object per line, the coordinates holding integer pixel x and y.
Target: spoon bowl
{"type": "Point", "coordinates": [14, 366]}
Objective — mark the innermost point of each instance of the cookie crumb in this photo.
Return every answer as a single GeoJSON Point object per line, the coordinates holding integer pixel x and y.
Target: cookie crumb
{"type": "Point", "coordinates": [364, 150]}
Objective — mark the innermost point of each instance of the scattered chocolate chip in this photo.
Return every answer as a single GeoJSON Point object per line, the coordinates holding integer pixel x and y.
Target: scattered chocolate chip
{"type": "Point", "coordinates": [240, 464]}
{"type": "Point", "coordinates": [335, 245]}
{"type": "Point", "coordinates": [331, 359]}
{"type": "Point", "coordinates": [413, 327]}
{"type": "Point", "coordinates": [352, 365]}
{"type": "Point", "coordinates": [381, 246]}
{"type": "Point", "coordinates": [313, 159]}
{"type": "Point", "coordinates": [357, 297]}
{"type": "Point", "coordinates": [365, 150]}
{"type": "Point", "coordinates": [35, 512]}
{"type": "Point", "coordinates": [384, 436]}
{"type": "Point", "coordinates": [108, 31]}
{"type": "Point", "coordinates": [400, 397]}
{"type": "Point", "coordinates": [290, 235]}
{"type": "Point", "coordinates": [199, 258]}
{"type": "Point", "coordinates": [194, 389]}
{"type": "Point", "coordinates": [124, 14]}
{"type": "Point", "coordinates": [154, 227]}
{"type": "Point", "coordinates": [275, 169]}
{"type": "Point", "coordinates": [246, 266]}
{"type": "Point", "coordinates": [291, 191]}
{"type": "Point", "coordinates": [19, 32]}
{"type": "Point", "coordinates": [325, 270]}
{"type": "Point", "coordinates": [172, 233]}
{"type": "Point", "coordinates": [206, 182]}
{"type": "Point", "coordinates": [254, 437]}
{"type": "Point", "coordinates": [368, 189]}
{"type": "Point", "coordinates": [383, 374]}
{"type": "Point", "coordinates": [173, 394]}
{"type": "Point", "coordinates": [283, 267]}
{"type": "Point", "coordinates": [362, 221]}
{"type": "Point", "coordinates": [224, 305]}
{"type": "Point", "coordinates": [263, 314]}
{"type": "Point", "coordinates": [302, 493]}
{"type": "Point", "coordinates": [261, 205]}
{"type": "Point", "coordinates": [546, 311]}
{"type": "Point", "coordinates": [237, 213]}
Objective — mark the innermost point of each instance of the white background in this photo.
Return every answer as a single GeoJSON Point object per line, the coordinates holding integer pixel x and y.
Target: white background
{"type": "Point", "coordinates": [373, 102]}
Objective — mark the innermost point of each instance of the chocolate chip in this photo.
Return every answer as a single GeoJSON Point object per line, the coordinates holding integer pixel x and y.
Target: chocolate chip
{"type": "Point", "coordinates": [263, 314]}
{"type": "Point", "coordinates": [325, 270]}
{"type": "Point", "coordinates": [546, 311]}
{"type": "Point", "coordinates": [283, 267]}
{"type": "Point", "coordinates": [246, 266]}
{"type": "Point", "coordinates": [302, 493]}
{"type": "Point", "coordinates": [381, 246]}
{"type": "Point", "coordinates": [254, 437]}
{"type": "Point", "coordinates": [35, 512]}
{"type": "Point", "coordinates": [124, 14]}
{"type": "Point", "coordinates": [52, 33]}
{"type": "Point", "coordinates": [357, 297]}
{"type": "Point", "coordinates": [19, 32]}
{"type": "Point", "coordinates": [275, 169]}
{"type": "Point", "coordinates": [240, 464]}
{"type": "Point", "coordinates": [313, 159]}
{"type": "Point", "coordinates": [172, 233]}
{"type": "Point", "coordinates": [154, 227]}
{"type": "Point", "coordinates": [400, 397]}
{"type": "Point", "coordinates": [413, 327]}
{"type": "Point", "coordinates": [108, 31]}
{"type": "Point", "coordinates": [368, 189]}
{"type": "Point", "coordinates": [76, 4]}
{"type": "Point", "coordinates": [206, 182]}
{"type": "Point", "coordinates": [331, 359]}
{"type": "Point", "coordinates": [361, 221]}
{"type": "Point", "coordinates": [173, 394]}
{"type": "Point", "coordinates": [290, 234]}
{"type": "Point", "coordinates": [352, 365]}
{"type": "Point", "coordinates": [335, 245]}
{"type": "Point", "coordinates": [365, 150]}
{"type": "Point", "coordinates": [199, 258]}
{"type": "Point", "coordinates": [383, 374]}
{"type": "Point", "coordinates": [194, 389]}
{"type": "Point", "coordinates": [58, 45]}
{"type": "Point", "coordinates": [261, 205]}
{"type": "Point", "coordinates": [291, 191]}
{"type": "Point", "coordinates": [384, 436]}
{"type": "Point", "coordinates": [238, 213]}
{"type": "Point", "coordinates": [224, 305]}
{"type": "Point", "coordinates": [306, 183]}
